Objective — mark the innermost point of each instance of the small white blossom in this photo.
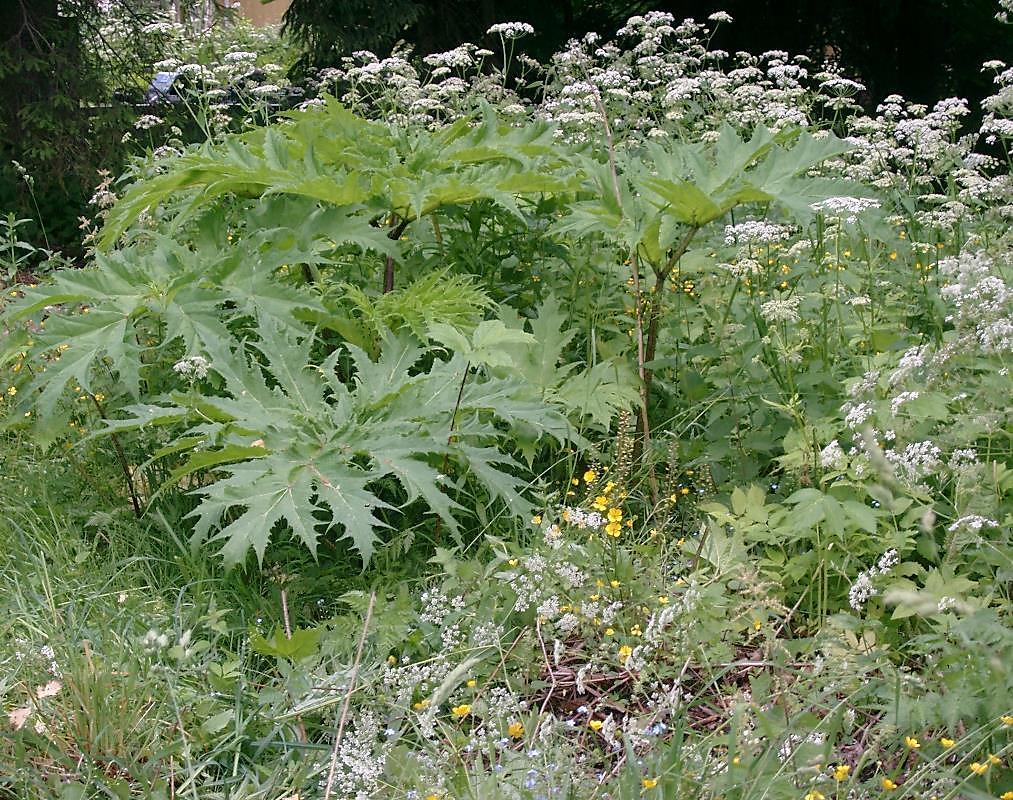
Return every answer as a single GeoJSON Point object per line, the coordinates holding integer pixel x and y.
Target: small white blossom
{"type": "Point", "coordinates": [192, 367]}
{"type": "Point", "coordinates": [511, 30]}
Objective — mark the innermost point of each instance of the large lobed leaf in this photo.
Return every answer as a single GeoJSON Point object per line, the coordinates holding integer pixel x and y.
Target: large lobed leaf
{"type": "Point", "coordinates": [293, 445]}
{"type": "Point", "coordinates": [362, 167]}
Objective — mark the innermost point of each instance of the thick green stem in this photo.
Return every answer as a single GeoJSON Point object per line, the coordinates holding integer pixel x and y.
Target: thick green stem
{"type": "Point", "coordinates": [388, 269]}
{"type": "Point", "coordinates": [656, 303]}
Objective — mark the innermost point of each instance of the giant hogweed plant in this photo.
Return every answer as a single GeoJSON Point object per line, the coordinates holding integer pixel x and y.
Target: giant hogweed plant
{"type": "Point", "coordinates": [652, 204]}
{"type": "Point", "coordinates": [298, 196]}
{"type": "Point", "coordinates": [213, 364]}
{"type": "Point", "coordinates": [377, 174]}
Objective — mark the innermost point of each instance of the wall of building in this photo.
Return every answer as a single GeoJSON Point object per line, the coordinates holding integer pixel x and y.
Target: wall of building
{"type": "Point", "coordinates": [263, 13]}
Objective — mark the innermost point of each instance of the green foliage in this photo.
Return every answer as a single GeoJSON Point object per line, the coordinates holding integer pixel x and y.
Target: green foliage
{"type": "Point", "coordinates": [293, 440]}
{"type": "Point", "coordinates": [139, 307]}
{"type": "Point", "coordinates": [657, 198]}
{"type": "Point", "coordinates": [435, 299]}
{"type": "Point", "coordinates": [367, 168]}
{"type": "Point", "coordinates": [599, 391]}
{"type": "Point", "coordinates": [414, 347]}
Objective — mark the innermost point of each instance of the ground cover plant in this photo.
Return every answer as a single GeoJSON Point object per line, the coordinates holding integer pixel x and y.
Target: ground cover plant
{"type": "Point", "coordinates": [634, 424]}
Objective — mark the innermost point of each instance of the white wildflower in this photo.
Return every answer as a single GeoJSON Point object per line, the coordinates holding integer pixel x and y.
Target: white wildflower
{"type": "Point", "coordinates": [511, 30]}
{"type": "Point", "coordinates": [757, 232]}
{"type": "Point", "coordinates": [832, 456]}
{"type": "Point", "coordinates": [973, 523]}
{"type": "Point", "coordinates": [192, 367]}
{"type": "Point", "coordinates": [781, 309]}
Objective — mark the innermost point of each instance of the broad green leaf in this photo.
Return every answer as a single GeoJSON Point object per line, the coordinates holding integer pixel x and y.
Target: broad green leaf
{"type": "Point", "coordinates": [303, 644]}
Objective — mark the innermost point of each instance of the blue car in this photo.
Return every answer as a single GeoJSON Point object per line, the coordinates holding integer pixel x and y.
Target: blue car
{"type": "Point", "coordinates": [165, 87]}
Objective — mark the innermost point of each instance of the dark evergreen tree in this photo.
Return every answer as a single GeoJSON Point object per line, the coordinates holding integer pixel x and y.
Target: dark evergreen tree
{"type": "Point", "coordinates": [57, 120]}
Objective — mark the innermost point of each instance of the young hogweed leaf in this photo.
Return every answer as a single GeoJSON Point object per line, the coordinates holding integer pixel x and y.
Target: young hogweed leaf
{"type": "Point", "coordinates": [437, 297]}
{"type": "Point", "coordinates": [487, 345]}
{"type": "Point", "coordinates": [598, 392]}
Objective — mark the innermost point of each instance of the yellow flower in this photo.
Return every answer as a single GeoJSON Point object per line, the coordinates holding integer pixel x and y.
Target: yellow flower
{"type": "Point", "coordinates": [516, 730]}
{"type": "Point", "coordinates": [625, 651]}
{"type": "Point", "coordinates": [994, 760]}
{"type": "Point", "coordinates": [649, 783]}
{"type": "Point", "coordinates": [615, 515]}
{"type": "Point", "coordinates": [575, 482]}
{"type": "Point", "coordinates": [461, 711]}
{"type": "Point", "coordinates": [609, 631]}
{"type": "Point", "coordinates": [911, 743]}
{"type": "Point", "coordinates": [635, 631]}
{"type": "Point", "coordinates": [815, 795]}
{"type": "Point", "coordinates": [663, 600]}
{"type": "Point", "coordinates": [432, 797]}
{"type": "Point", "coordinates": [600, 503]}
{"type": "Point", "coordinates": [512, 562]}
{"type": "Point", "coordinates": [566, 515]}
{"type": "Point", "coordinates": [1006, 796]}
{"type": "Point", "coordinates": [841, 772]}
{"type": "Point", "coordinates": [590, 476]}
{"type": "Point", "coordinates": [595, 724]}
{"type": "Point", "coordinates": [13, 390]}
{"type": "Point", "coordinates": [421, 704]}
{"type": "Point", "coordinates": [1006, 720]}
{"type": "Point", "coordinates": [947, 743]}
{"type": "Point", "coordinates": [613, 529]}
{"type": "Point", "coordinates": [472, 683]}
{"type": "Point", "coordinates": [978, 768]}
{"type": "Point", "coordinates": [888, 784]}
{"type": "Point", "coordinates": [536, 519]}
{"type": "Point", "coordinates": [614, 583]}
{"type": "Point", "coordinates": [757, 624]}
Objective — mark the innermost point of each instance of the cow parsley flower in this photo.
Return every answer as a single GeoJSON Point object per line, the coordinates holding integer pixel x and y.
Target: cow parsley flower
{"type": "Point", "coordinates": [192, 367]}
{"type": "Point", "coordinates": [757, 232]}
{"type": "Point", "coordinates": [511, 30]}
{"type": "Point", "coordinates": [781, 309]}
{"type": "Point", "coordinates": [860, 592]}
{"type": "Point", "coordinates": [973, 523]}
{"type": "Point", "coordinates": [832, 456]}
{"type": "Point", "coordinates": [845, 207]}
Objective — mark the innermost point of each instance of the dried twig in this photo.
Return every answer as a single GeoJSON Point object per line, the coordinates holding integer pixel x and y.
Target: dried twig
{"type": "Point", "coordinates": [548, 667]}
{"type": "Point", "coordinates": [288, 635]}
{"type": "Point", "coordinates": [348, 697]}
